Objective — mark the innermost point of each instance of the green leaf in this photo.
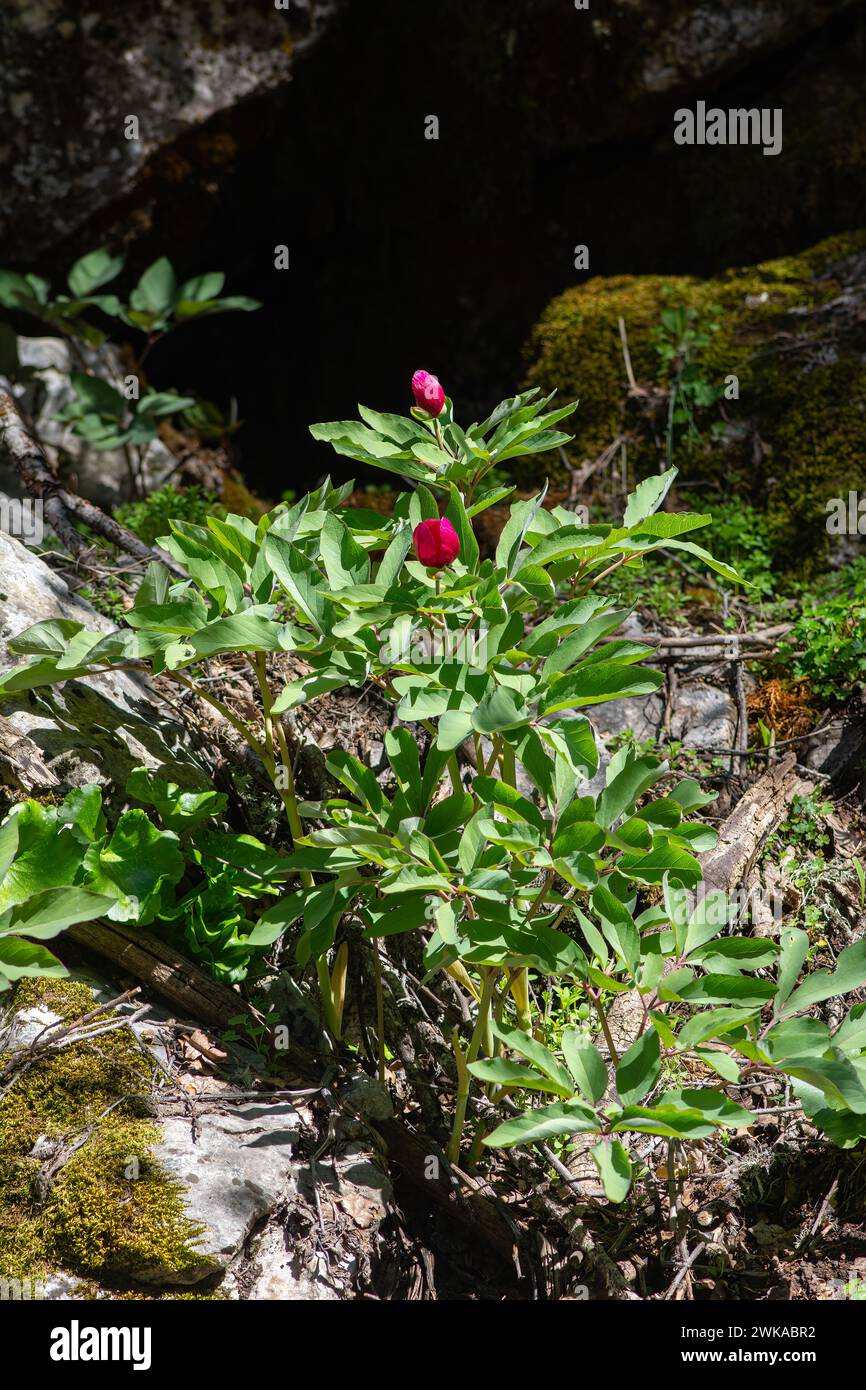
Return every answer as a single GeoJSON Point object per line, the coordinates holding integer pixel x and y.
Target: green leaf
{"type": "Point", "coordinates": [618, 926]}
{"type": "Point", "coordinates": [48, 857]}
{"type": "Point", "coordinates": [155, 291]}
{"type": "Point", "coordinates": [514, 532]}
{"type": "Point", "coordinates": [598, 681]}
{"type": "Point", "coordinates": [563, 1117]}
{"type": "Point", "coordinates": [639, 1068]}
{"type": "Point", "coordinates": [8, 844]}
{"type": "Point", "coordinates": [614, 1168]}
{"type": "Point", "coordinates": [456, 514]}
{"type": "Point", "coordinates": [721, 1062]}
{"type": "Point", "coordinates": [501, 1072]}
{"type": "Point", "coordinates": [726, 989]}
{"type": "Point", "coordinates": [301, 579]}
{"type": "Point", "coordinates": [344, 560]}
{"type": "Point", "coordinates": [201, 287]}
{"type": "Point", "coordinates": [134, 866]}
{"type": "Point", "coordinates": [743, 952]}
{"type": "Point", "coordinates": [47, 913]}
{"type": "Point", "coordinates": [669, 1121]}
{"type": "Point", "coordinates": [850, 973]}
{"type": "Point", "coordinates": [727, 571]}
{"type": "Point", "coordinates": [625, 788]}
{"type": "Point", "coordinates": [92, 270]}
{"type": "Point", "coordinates": [98, 396]}
{"type": "Point", "coordinates": [178, 809]}
{"type": "Point", "coordinates": [500, 709]}
{"type": "Point", "coordinates": [711, 1023]}
{"type": "Point", "coordinates": [714, 1105]}
{"type": "Point", "coordinates": [797, 1037]}
{"type": "Point", "coordinates": [240, 632]}
{"type": "Point", "coordinates": [536, 1053]}
{"type": "Point", "coordinates": [19, 958]}
{"type": "Point", "coordinates": [586, 1065]}
{"type": "Point", "coordinates": [516, 807]}
{"type": "Point", "coordinates": [836, 1077]}
{"type": "Point", "coordinates": [648, 497]}
{"type": "Point", "coordinates": [709, 917]}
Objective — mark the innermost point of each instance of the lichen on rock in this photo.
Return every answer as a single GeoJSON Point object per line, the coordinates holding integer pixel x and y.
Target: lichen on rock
{"type": "Point", "coordinates": [793, 331]}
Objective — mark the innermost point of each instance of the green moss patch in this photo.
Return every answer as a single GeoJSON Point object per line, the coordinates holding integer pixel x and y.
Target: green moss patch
{"type": "Point", "coordinates": [794, 333]}
{"type": "Point", "coordinates": [112, 1212]}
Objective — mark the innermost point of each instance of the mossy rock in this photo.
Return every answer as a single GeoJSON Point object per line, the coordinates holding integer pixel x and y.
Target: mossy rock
{"type": "Point", "coordinates": [112, 1214]}
{"type": "Point", "coordinates": [793, 331]}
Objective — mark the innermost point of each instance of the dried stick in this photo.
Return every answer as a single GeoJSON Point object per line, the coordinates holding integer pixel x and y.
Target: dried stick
{"type": "Point", "coordinates": [60, 506]}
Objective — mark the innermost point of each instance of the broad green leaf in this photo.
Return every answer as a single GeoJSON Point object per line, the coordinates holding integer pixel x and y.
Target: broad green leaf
{"type": "Point", "coordinates": [563, 1117]}
{"type": "Point", "coordinates": [711, 1023]}
{"type": "Point", "coordinates": [345, 561]}
{"type": "Point", "coordinates": [48, 856]}
{"type": "Point", "coordinates": [726, 989]}
{"type": "Point", "coordinates": [709, 917]}
{"type": "Point", "coordinates": [155, 291]}
{"type": "Point", "coordinates": [501, 1072]}
{"type": "Point", "coordinates": [648, 497]}
{"type": "Point", "coordinates": [850, 973]}
{"type": "Point", "coordinates": [47, 913]}
{"type": "Point", "coordinates": [614, 1168]}
{"type": "Point", "coordinates": [456, 514]}
{"type": "Point", "coordinates": [93, 270]}
{"type": "Point", "coordinates": [536, 1053]}
{"type": "Point", "coordinates": [795, 945]}
{"type": "Point", "coordinates": [625, 788]}
{"type": "Point", "coordinates": [134, 866]}
{"type": "Point", "coordinates": [586, 1065]}
{"type": "Point", "coordinates": [597, 682]}
{"type": "Point", "coordinates": [19, 958]}
{"type": "Point", "coordinates": [638, 1068]}
{"type": "Point", "coordinates": [179, 810]}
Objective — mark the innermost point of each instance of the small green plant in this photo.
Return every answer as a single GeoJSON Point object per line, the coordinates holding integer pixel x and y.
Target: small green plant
{"type": "Point", "coordinates": [37, 901]}
{"type": "Point", "coordinates": [827, 645]}
{"type": "Point", "coordinates": [151, 516]}
{"type": "Point", "coordinates": [110, 410]}
{"type": "Point", "coordinates": [479, 836]}
{"type": "Point", "coordinates": [741, 536]}
{"type": "Point", "coordinates": [63, 865]}
{"type": "Point", "coordinates": [678, 336]}
{"type": "Point", "coordinates": [805, 826]}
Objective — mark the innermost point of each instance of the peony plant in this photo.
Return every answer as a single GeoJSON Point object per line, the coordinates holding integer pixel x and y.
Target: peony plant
{"type": "Point", "coordinates": [484, 837]}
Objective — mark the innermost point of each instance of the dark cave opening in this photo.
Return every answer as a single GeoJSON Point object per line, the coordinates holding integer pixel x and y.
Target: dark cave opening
{"type": "Point", "coordinates": [408, 252]}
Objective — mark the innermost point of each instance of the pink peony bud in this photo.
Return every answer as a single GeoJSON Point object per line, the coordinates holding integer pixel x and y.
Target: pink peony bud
{"type": "Point", "coordinates": [428, 393]}
{"type": "Point", "coordinates": [436, 543]}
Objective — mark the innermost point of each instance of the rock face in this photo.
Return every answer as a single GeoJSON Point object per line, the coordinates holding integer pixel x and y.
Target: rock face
{"type": "Point", "coordinates": [93, 730]}
{"type": "Point", "coordinates": [73, 74]}
{"type": "Point", "coordinates": [556, 129]}
{"type": "Point", "coordinates": [42, 386]}
{"type": "Point", "coordinates": [234, 1166]}
{"type": "Point", "coordinates": [793, 334]}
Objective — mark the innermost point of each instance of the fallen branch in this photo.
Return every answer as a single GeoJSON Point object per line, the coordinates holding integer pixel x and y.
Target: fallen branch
{"type": "Point", "coordinates": [751, 821]}
{"type": "Point", "coordinates": [60, 507]}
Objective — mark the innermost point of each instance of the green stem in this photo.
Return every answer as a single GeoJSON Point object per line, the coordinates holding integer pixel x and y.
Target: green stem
{"type": "Point", "coordinates": [380, 1010]}
{"type": "Point", "coordinates": [471, 1056]}
{"type": "Point", "coordinates": [275, 738]}
{"type": "Point", "coordinates": [605, 1028]}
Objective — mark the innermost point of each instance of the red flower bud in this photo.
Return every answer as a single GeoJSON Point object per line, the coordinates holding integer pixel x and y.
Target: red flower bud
{"type": "Point", "coordinates": [428, 393]}
{"type": "Point", "coordinates": [436, 543]}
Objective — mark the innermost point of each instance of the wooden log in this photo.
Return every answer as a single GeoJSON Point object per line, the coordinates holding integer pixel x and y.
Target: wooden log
{"type": "Point", "coordinates": [751, 821]}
